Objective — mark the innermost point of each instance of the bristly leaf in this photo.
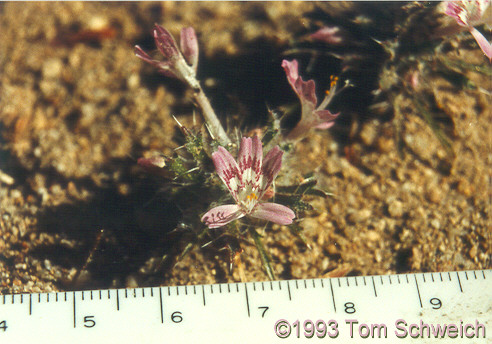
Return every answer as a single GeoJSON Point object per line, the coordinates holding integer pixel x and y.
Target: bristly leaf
{"type": "Point", "coordinates": [298, 231]}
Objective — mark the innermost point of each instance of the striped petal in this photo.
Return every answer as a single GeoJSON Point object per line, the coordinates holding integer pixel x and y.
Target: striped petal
{"type": "Point", "coordinates": [250, 160]}
{"type": "Point", "coordinates": [227, 169]}
{"type": "Point", "coordinates": [274, 212]}
{"type": "Point", "coordinates": [271, 167]}
{"type": "Point", "coordinates": [222, 215]}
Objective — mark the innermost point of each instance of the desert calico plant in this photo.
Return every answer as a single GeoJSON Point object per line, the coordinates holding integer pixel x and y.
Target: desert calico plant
{"type": "Point", "coordinates": [249, 180]}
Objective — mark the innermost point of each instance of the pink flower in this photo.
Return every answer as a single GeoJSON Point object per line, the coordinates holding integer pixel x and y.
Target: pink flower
{"type": "Point", "coordinates": [469, 13]}
{"type": "Point", "coordinates": [311, 116]}
{"type": "Point", "coordinates": [328, 34]}
{"type": "Point", "coordinates": [247, 181]}
{"type": "Point", "coordinates": [180, 64]}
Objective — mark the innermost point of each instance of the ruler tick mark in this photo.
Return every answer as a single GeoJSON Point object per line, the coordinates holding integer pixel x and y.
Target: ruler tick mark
{"type": "Point", "coordinates": [211, 289]}
{"type": "Point", "coordinates": [30, 304]}
{"type": "Point", "coordinates": [237, 288]}
{"type": "Point", "coordinates": [364, 279]}
{"type": "Point", "coordinates": [483, 274]}
{"type": "Point", "coordinates": [109, 294]}
{"type": "Point", "coordinates": [247, 299]}
{"type": "Point", "coordinates": [466, 275]}
{"type": "Point", "coordinates": [398, 278]}
{"type": "Point", "coordinates": [339, 282]}
{"type": "Point", "coordinates": [161, 308]}
{"type": "Point", "coordinates": [65, 296]}
{"type": "Point", "coordinates": [449, 276]}
{"type": "Point", "coordinates": [22, 298]}
{"type": "Point", "coordinates": [56, 297]}
{"type": "Point", "coordinates": [186, 290]}
{"type": "Point", "coordinates": [297, 285]}
{"type": "Point", "coordinates": [134, 293]}
{"type": "Point", "coordinates": [440, 275]}
{"type": "Point", "coordinates": [389, 278]}
{"type": "Point", "coordinates": [82, 295]}
{"type": "Point", "coordinates": [474, 274]}
{"type": "Point", "coordinates": [39, 298]}
{"type": "Point", "coordinates": [117, 300]}
{"type": "Point", "coordinates": [418, 291]}
{"type": "Point", "coordinates": [348, 285]}
{"type": "Point", "coordinates": [333, 297]}
{"type": "Point", "coordinates": [459, 281]}
{"type": "Point", "coordinates": [91, 295]}
{"type": "Point", "coordinates": [374, 286]}
{"type": "Point", "coordinates": [314, 284]}
{"type": "Point", "coordinates": [126, 293]}
{"type": "Point", "coordinates": [168, 291]}
{"type": "Point", "coordinates": [432, 276]}
{"type": "Point", "coordinates": [203, 293]}
{"type": "Point", "coordinates": [279, 285]}
{"type": "Point", "coordinates": [288, 289]}
{"type": "Point", "coordinates": [271, 285]}
{"type": "Point", "coordinates": [423, 277]}
{"type": "Point", "coordinates": [322, 285]}
{"type": "Point", "coordinates": [381, 278]}
{"type": "Point", "coordinates": [151, 292]}
{"type": "Point", "coordinates": [74, 313]}
{"type": "Point", "coordinates": [406, 276]}
{"type": "Point", "coordinates": [177, 291]}
{"type": "Point", "coordinates": [194, 290]}
{"type": "Point", "coordinates": [143, 292]}
{"type": "Point", "coordinates": [220, 289]}
{"type": "Point", "coordinates": [228, 288]}
{"type": "Point", "coordinates": [254, 286]}
{"type": "Point", "coordinates": [262, 286]}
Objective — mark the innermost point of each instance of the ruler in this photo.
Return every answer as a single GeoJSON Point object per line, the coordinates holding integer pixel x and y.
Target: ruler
{"type": "Point", "coordinates": [423, 308]}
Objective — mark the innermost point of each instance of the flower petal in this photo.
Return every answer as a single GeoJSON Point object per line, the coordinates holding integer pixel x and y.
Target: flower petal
{"type": "Point", "coordinates": [227, 169]}
{"type": "Point", "coordinates": [305, 89]}
{"type": "Point", "coordinates": [482, 42]}
{"type": "Point", "coordinates": [163, 66]}
{"type": "Point", "coordinates": [291, 70]}
{"type": "Point", "coordinates": [274, 212]}
{"type": "Point", "coordinates": [165, 42]}
{"type": "Point", "coordinates": [250, 160]}
{"type": "Point", "coordinates": [457, 12]}
{"type": "Point", "coordinates": [328, 34]}
{"type": "Point", "coordinates": [222, 215]}
{"type": "Point", "coordinates": [271, 167]}
{"type": "Point", "coordinates": [324, 119]}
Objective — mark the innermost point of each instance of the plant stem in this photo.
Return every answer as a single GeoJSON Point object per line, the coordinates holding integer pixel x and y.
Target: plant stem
{"type": "Point", "coordinates": [265, 259]}
{"type": "Point", "coordinates": [213, 122]}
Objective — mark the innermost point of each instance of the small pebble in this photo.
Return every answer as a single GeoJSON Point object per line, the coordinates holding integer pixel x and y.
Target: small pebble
{"type": "Point", "coordinates": [395, 208]}
{"type": "Point", "coordinates": [359, 216]}
{"type": "Point", "coordinates": [52, 68]}
{"type": "Point", "coordinates": [435, 194]}
{"type": "Point", "coordinates": [373, 236]}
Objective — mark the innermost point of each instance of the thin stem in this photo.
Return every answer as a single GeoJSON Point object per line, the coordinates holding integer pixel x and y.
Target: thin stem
{"type": "Point", "coordinates": [210, 117]}
{"type": "Point", "coordinates": [265, 259]}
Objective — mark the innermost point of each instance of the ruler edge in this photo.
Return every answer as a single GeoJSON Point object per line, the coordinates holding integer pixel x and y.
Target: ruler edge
{"type": "Point", "coordinates": [484, 271]}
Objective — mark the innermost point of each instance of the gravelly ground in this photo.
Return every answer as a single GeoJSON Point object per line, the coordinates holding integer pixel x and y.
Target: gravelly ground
{"type": "Point", "coordinates": [78, 110]}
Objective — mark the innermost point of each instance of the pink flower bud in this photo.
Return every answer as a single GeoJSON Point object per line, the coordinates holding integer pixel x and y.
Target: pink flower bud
{"type": "Point", "coordinates": [189, 46]}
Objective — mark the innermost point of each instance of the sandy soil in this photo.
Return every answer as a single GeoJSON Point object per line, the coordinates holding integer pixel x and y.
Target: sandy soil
{"type": "Point", "coordinates": [77, 109]}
